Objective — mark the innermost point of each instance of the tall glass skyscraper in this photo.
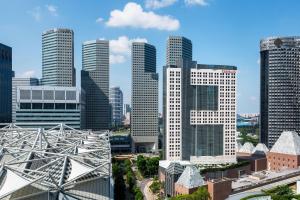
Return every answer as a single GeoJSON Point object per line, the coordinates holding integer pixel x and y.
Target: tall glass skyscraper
{"type": "Point", "coordinates": [144, 99]}
{"type": "Point", "coordinates": [279, 87]}
{"type": "Point", "coordinates": [116, 103]}
{"type": "Point", "coordinates": [95, 82]}
{"type": "Point", "coordinates": [178, 48]}
{"type": "Point", "coordinates": [58, 58]}
{"type": "Point", "coordinates": [5, 83]}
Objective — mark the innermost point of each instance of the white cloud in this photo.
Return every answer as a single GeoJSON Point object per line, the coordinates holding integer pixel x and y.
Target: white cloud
{"type": "Point", "coordinates": [27, 74]}
{"type": "Point", "coordinates": [36, 13]}
{"type": "Point", "coordinates": [133, 15]}
{"type": "Point", "coordinates": [156, 4]}
{"type": "Point", "coordinates": [196, 2]}
{"type": "Point", "coordinates": [120, 48]}
{"type": "Point", "coordinates": [116, 59]}
{"type": "Point", "coordinates": [99, 20]}
{"type": "Point", "coordinates": [52, 9]}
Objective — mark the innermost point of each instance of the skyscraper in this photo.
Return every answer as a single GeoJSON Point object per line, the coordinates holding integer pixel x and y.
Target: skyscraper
{"type": "Point", "coordinates": [5, 83]}
{"type": "Point", "coordinates": [279, 87]}
{"type": "Point", "coordinates": [200, 113]}
{"type": "Point", "coordinates": [144, 113]}
{"type": "Point", "coordinates": [95, 82]}
{"type": "Point", "coordinates": [178, 48]}
{"type": "Point", "coordinates": [58, 58]}
{"type": "Point", "coordinates": [17, 82]}
{"type": "Point", "coordinates": [116, 103]}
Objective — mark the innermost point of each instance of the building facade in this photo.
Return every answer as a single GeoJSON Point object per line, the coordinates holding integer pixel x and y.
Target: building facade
{"type": "Point", "coordinates": [200, 104]}
{"type": "Point", "coordinates": [95, 83]}
{"type": "Point", "coordinates": [178, 48]}
{"type": "Point", "coordinates": [58, 58]}
{"type": "Point", "coordinates": [144, 113]}
{"type": "Point", "coordinates": [17, 82]}
{"type": "Point", "coordinates": [116, 103]}
{"type": "Point", "coordinates": [279, 87]}
{"type": "Point", "coordinates": [48, 105]}
{"type": "Point", "coordinates": [5, 83]}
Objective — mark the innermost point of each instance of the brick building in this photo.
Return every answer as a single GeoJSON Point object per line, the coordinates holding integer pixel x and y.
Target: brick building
{"type": "Point", "coordinates": [285, 154]}
{"type": "Point", "coordinates": [189, 181]}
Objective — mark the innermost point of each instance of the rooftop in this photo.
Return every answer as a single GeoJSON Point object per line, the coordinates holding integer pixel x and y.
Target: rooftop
{"type": "Point", "coordinates": [287, 143]}
{"type": "Point", "coordinates": [62, 160]}
{"type": "Point", "coordinates": [190, 178]}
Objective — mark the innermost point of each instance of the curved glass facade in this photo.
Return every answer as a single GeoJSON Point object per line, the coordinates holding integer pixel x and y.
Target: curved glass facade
{"type": "Point", "coordinates": [280, 87]}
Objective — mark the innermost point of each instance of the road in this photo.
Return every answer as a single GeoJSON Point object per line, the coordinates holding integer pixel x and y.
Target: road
{"type": "Point", "coordinates": [144, 185]}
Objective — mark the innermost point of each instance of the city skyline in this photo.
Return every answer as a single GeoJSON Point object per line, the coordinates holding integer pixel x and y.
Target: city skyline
{"type": "Point", "coordinates": [212, 34]}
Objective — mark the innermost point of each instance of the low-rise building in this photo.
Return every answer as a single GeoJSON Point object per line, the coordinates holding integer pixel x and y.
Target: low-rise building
{"type": "Point", "coordinates": [46, 105]}
{"type": "Point", "coordinates": [189, 181]}
{"type": "Point", "coordinates": [285, 153]}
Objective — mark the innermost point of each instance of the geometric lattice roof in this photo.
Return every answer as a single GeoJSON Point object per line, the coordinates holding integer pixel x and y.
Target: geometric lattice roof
{"type": "Point", "coordinates": [260, 149]}
{"type": "Point", "coordinates": [190, 178]}
{"type": "Point", "coordinates": [247, 148]}
{"type": "Point", "coordinates": [175, 168]}
{"type": "Point", "coordinates": [287, 143]}
{"type": "Point", "coordinates": [61, 160]}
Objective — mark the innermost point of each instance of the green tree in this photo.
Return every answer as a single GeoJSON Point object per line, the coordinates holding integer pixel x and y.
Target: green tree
{"type": "Point", "coordinates": [155, 186]}
{"type": "Point", "coordinates": [138, 194]}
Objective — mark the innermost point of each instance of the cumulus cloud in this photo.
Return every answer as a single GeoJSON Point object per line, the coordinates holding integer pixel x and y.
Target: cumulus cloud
{"type": "Point", "coordinates": [52, 10]}
{"type": "Point", "coordinates": [120, 48]}
{"type": "Point", "coordinates": [36, 13]}
{"type": "Point", "coordinates": [134, 16]}
{"type": "Point", "coordinates": [27, 74]}
{"type": "Point", "coordinates": [99, 20]}
{"type": "Point", "coordinates": [116, 59]}
{"type": "Point", "coordinates": [196, 2]}
{"type": "Point", "coordinates": [156, 4]}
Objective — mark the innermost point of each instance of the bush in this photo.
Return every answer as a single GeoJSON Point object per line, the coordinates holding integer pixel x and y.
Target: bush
{"type": "Point", "coordinates": [200, 194]}
{"type": "Point", "coordinates": [138, 195]}
{"type": "Point", "coordinates": [155, 186]}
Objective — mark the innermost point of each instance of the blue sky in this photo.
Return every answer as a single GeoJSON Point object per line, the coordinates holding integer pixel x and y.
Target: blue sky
{"type": "Point", "coordinates": [222, 32]}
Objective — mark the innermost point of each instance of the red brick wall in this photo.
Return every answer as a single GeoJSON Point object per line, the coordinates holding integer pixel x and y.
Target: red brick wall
{"type": "Point", "coordinates": [180, 189]}
{"type": "Point", "coordinates": [219, 190]}
{"type": "Point", "coordinates": [260, 164]}
{"type": "Point", "coordinates": [277, 161]}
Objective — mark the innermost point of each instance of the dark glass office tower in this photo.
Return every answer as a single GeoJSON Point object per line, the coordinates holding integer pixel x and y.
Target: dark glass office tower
{"type": "Point", "coordinates": [144, 113]}
{"type": "Point", "coordinates": [95, 83]}
{"type": "Point", "coordinates": [279, 87]}
{"type": "Point", "coordinates": [5, 83]}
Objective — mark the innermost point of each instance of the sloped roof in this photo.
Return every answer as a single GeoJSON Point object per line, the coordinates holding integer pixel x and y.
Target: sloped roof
{"type": "Point", "coordinates": [287, 143]}
{"type": "Point", "coordinates": [175, 168]}
{"type": "Point", "coordinates": [260, 149]}
{"type": "Point", "coordinates": [247, 148]}
{"type": "Point", "coordinates": [238, 146]}
{"type": "Point", "coordinates": [190, 178]}
{"type": "Point", "coordinates": [12, 182]}
{"type": "Point", "coordinates": [53, 159]}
